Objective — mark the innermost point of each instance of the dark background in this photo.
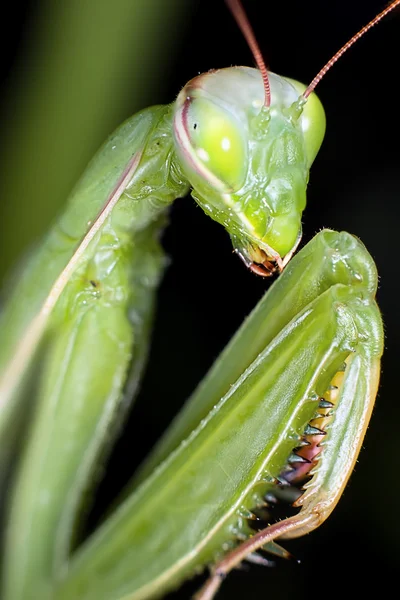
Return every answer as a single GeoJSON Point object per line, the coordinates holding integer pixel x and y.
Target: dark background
{"type": "Point", "coordinates": [207, 292]}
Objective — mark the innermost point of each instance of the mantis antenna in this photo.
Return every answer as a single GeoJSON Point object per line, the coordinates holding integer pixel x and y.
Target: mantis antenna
{"type": "Point", "coordinates": [348, 45]}
{"type": "Point", "coordinates": [237, 10]}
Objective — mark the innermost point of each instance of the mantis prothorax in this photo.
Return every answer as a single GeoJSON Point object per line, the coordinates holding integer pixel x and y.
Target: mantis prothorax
{"type": "Point", "coordinates": [243, 139]}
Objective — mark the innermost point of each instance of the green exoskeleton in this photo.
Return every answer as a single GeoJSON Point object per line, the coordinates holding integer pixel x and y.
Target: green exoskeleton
{"type": "Point", "coordinates": [243, 140]}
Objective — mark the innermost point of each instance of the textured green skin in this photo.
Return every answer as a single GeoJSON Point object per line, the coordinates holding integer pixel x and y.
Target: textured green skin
{"type": "Point", "coordinates": [76, 413]}
{"type": "Point", "coordinates": [192, 506]}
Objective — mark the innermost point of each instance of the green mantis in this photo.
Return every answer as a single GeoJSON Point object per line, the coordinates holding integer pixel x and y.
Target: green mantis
{"type": "Point", "coordinates": [91, 287]}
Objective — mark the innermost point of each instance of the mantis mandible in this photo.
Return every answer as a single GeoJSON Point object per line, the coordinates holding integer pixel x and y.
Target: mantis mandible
{"type": "Point", "coordinates": [244, 140]}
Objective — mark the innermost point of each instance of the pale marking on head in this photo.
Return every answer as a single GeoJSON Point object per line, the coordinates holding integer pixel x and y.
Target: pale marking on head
{"type": "Point", "coordinates": [203, 154]}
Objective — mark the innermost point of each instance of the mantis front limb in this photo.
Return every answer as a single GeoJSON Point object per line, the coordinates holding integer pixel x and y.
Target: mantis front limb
{"type": "Point", "coordinates": [193, 508]}
{"type": "Point", "coordinates": [348, 421]}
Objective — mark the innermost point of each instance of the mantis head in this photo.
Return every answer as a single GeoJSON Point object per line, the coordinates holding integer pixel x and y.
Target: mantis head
{"type": "Point", "coordinates": [248, 163]}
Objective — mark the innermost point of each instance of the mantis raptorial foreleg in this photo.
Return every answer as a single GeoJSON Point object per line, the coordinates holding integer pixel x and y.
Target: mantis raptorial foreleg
{"type": "Point", "coordinates": [347, 424]}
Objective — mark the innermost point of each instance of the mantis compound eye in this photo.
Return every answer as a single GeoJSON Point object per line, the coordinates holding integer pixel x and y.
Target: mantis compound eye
{"type": "Point", "coordinates": [313, 124]}
{"type": "Point", "coordinates": [312, 121]}
{"type": "Point", "coordinates": [213, 143]}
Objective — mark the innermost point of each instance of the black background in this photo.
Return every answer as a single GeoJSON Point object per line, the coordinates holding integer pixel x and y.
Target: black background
{"type": "Point", "coordinates": [207, 292]}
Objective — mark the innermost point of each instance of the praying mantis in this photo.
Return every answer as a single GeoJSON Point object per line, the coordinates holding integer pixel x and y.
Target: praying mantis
{"type": "Point", "coordinates": [134, 165]}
